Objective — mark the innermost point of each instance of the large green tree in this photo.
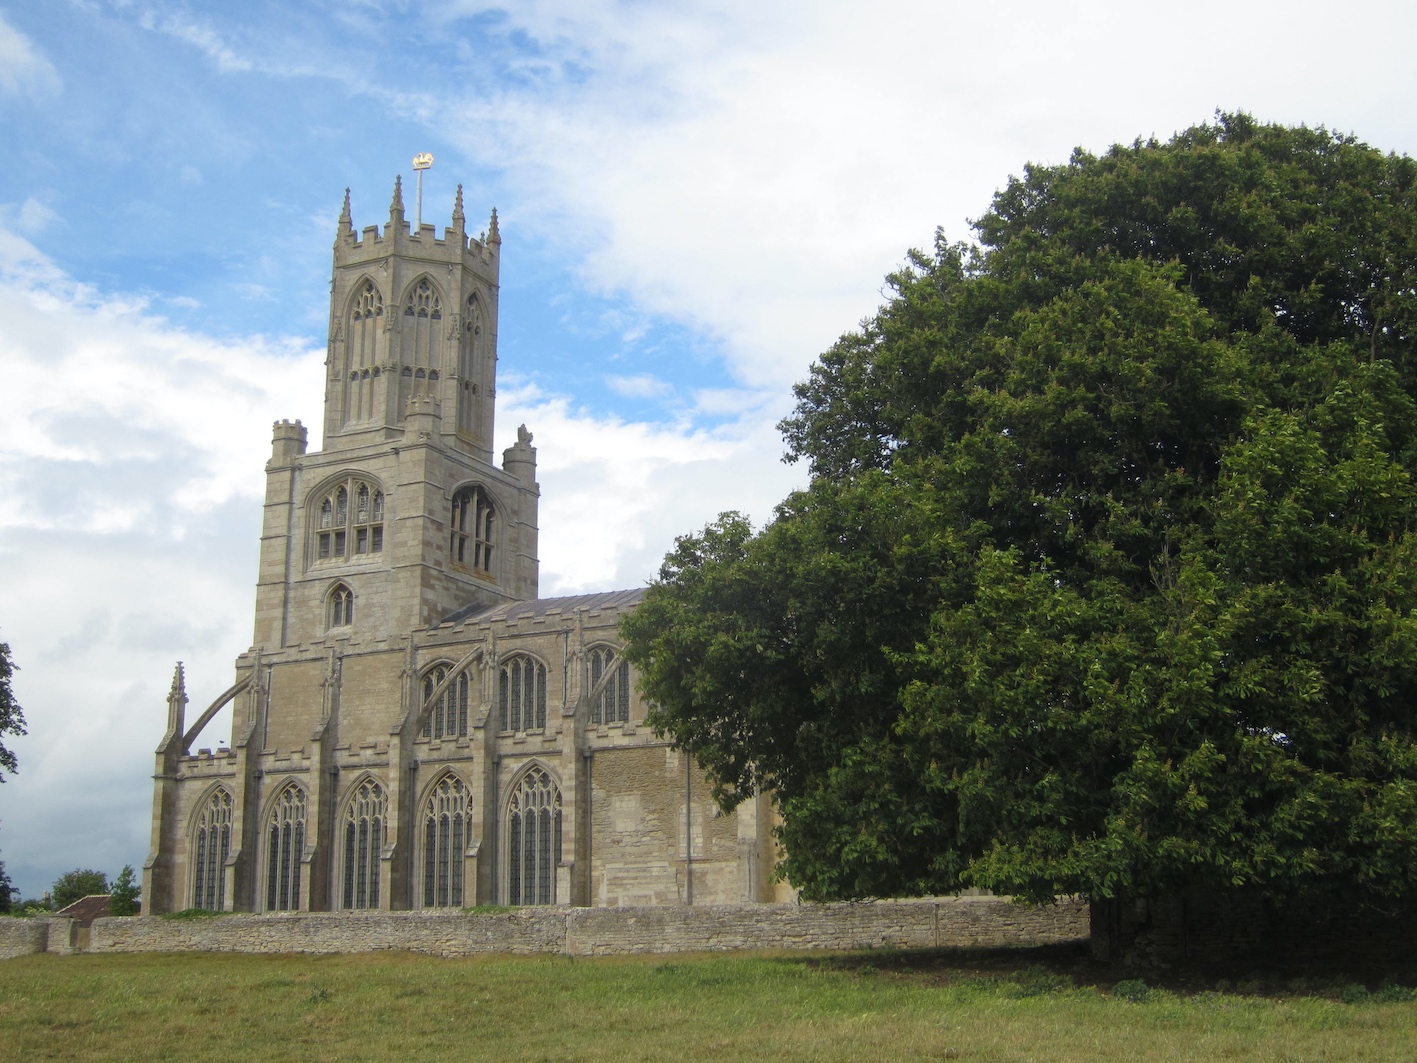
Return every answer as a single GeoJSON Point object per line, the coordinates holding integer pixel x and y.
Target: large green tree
{"type": "Point", "coordinates": [77, 884]}
{"type": "Point", "coordinates": [1104, 582]}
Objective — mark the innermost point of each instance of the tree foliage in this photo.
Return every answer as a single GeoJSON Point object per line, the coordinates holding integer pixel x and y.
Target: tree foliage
{"type": "Point", "coordinates": [12, 719]}
{"type": "Point", "coordinates": [123, 897]}
{"type": "Point", "coordinates": [1104, 582]}
{"type": "Point", "coordinates": [73, 885]}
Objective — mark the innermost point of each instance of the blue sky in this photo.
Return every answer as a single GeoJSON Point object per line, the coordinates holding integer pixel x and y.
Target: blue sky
{"type": "Point", "coordinates": [695, 199]}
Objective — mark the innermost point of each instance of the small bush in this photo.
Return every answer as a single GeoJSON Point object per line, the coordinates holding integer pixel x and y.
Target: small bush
{"type": "Point", "coordinates": [1132, 990]}
{"type": "Point", "coordinates": [1354, 993]}
{"type": "Point", "coordinates": [489, 909]}
{"type": "Point", "coordinates": [196, 913]}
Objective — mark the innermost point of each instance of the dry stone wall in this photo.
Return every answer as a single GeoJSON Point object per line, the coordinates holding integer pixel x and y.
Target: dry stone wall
{"type": "Point", "coordinates": [950, 922]}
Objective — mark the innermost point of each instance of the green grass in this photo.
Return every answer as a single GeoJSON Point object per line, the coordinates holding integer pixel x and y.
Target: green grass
{"type": "Point", "coordinates": [887, 1006]}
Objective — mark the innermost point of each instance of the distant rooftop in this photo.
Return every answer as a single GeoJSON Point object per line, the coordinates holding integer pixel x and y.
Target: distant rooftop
{"type": "Point", "coordinates": [86, 909]}
{"type": "Point", "coordinates": [544, 606]}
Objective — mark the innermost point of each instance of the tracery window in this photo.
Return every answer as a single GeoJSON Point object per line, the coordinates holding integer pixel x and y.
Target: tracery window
{"type": "Point", "coordinates": [365, 320]}
{"type": "Point", "coordinates": [423, 302]}
{"type": "Point", "coordinates": [363, 840]}
{"type": "Point", "coordinates": [213, 845]}
{"type": "Point", "coordinates": [534, 839]}
{"type": "Point", "coordinates": [611, 705]}
{"type": "Point", "coordinates": [341, 606]}
{"type": "Point", "coordinates": [470, 538]}
{"type": "Point", "coordinates": [521, 695]}
{"type": "Point", "coordinates": [448, 717]}
{"type": "Point", "coordinates": [421, 342]}
{"type": "Point", "coordinates": [350, 522]}
{"type": "Point", "coordinates": [445, 835]}
{"type": "Point", "coordinates": [285, 845]}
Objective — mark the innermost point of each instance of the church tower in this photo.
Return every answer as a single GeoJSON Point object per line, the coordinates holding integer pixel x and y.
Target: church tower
{"type": "Point", "coordinates": [402, 518]}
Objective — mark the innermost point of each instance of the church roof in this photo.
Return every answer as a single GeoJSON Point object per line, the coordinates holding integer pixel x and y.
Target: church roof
{"type": "Point", "coordinates": [545, 606]}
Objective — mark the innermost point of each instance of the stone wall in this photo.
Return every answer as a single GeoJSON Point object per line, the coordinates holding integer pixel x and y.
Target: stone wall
{"type": "Point", "coordinates": [951, 922]}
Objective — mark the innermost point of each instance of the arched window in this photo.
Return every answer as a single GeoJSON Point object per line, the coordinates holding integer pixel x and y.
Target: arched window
{"type": "Point", "coordinates": [363, 841]}
{"type": "Point", "coordinates": [341, 606]}
{"type": "Point", "coordinates": [285, 845]}
{"type": "Point", "coordinates": [448, 718]}
{"type": "Point", "coordinates": [365, 320]}
{"type": "Point", "coordinates": [350, 522]}
{"type": "Point", "coordinates": [534, 839]}
{"type": "Point", "coordinates": [420, 341]}
{"type": "Point", "coordinates": [468, 366]}
{"type": "Point", "coordinates": [445, 823]}
{"type": "Point", "coordinates": [611, 705]}
{"type": "Point", "coordinates": [213, 844]}
{"type": "Point", "coordinates": [470, 541]}
{"type": "Point", "coordinates": [521, 695]}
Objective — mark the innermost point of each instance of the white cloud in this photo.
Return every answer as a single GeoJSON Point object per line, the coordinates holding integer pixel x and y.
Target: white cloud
{"type": "Point", "coordinates": [754, 170]}
{"type": "Point", "coordinates": [641, 386]}
{"type": "Point", "coordinates": [200, 36]}
{"type": "Point", "coordinates": [24, 70]}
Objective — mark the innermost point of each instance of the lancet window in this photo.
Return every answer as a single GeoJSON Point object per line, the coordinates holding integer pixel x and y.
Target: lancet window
{"type": "Point", "coordinates": [445, 837]}
{"type": "Point", "coordinates": [448, 717]}
{"type": "Point", "coordinates": [349, 521]}
{"type": "Point", "coordinates": [285, 845]}
{"type": "Point", "coordinates": [341, 608]}
{"type": "Point", "coordinates": [365, 320]}
{"type": "Point", "coordinates": [534, 839]}
{"type": "Point", "coordinates": [612, 704]}
{"type": "Point", "coordinates": [364, 830]}
{"type": "Point", "coordinates": [521, 694]}
{"type": "Point", "coordinates": [212, 840]}
{"type": "Point", "coordinates": [468, 366]}
{"type": "Point", "coordinates": [470, 538]}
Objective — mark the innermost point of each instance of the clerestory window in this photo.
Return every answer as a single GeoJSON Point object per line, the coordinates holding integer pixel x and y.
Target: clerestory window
{"type": "Point", "coordinates": [521, 695]}
{"type": "Point", "coordinates": [349, 521]}
{"type": "Point", "coordinates": [448, 717]}
{"type": "Point", "coordinates": [213, 844]}
{"type": "Point", "coordinates": [470, 540]}
{"type": "Point", "coordinates": [612, 704]}
{"type": "Point", "coordinates": [445, 837]}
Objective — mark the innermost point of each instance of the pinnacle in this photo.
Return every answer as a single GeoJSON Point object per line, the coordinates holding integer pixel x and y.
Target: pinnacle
{"type": "Point", "coordinates": [457, 210]}
{"type": "Point", "coordinates": [344, 216]}
{"type": "Point", "coordinates": [396, 205]}
{"type": "Point", "coordinates": [493, 236]}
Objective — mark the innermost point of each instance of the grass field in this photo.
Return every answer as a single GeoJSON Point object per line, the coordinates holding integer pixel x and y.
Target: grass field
{"type": "Point", "coordinates": [1046, 1006]}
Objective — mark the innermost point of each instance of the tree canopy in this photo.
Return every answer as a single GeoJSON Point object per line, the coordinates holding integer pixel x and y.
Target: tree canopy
{"type": "Point", "coordinates": [1104, 581]}
{"type": "Point", "coordinates": [79, 883]}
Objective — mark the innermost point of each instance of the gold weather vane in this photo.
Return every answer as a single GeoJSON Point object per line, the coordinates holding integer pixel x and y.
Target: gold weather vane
{"type": "Point", "coordinates": [421, 162]}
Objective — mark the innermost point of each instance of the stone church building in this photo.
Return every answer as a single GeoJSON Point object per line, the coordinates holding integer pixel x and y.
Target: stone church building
{"type": "Point", "coordinates": [413, 727]}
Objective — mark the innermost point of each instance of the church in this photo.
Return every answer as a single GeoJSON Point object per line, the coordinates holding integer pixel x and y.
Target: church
{"type": "Point", "coordinates": [413, 727]}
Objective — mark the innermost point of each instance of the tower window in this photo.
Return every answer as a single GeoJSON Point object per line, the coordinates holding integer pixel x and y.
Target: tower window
{"type": "Point", "coordinates": [612, 704]}
{"type": "Point", "coordinates": [350, 522]}
{"type": "Point", "coordinates": [470, 540]}
{"type": "Point", "coordinates": [341, 606]}
{"type": "Point", "coordinates": [521, 695]}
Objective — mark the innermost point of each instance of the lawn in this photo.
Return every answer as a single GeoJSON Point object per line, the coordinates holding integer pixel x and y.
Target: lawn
{"type": "Point", "coordinates": [1047, 1005]}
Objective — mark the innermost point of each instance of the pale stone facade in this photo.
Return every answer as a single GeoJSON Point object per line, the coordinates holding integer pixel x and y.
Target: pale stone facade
{"type": "Point", "coordinates": [412, 727]}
